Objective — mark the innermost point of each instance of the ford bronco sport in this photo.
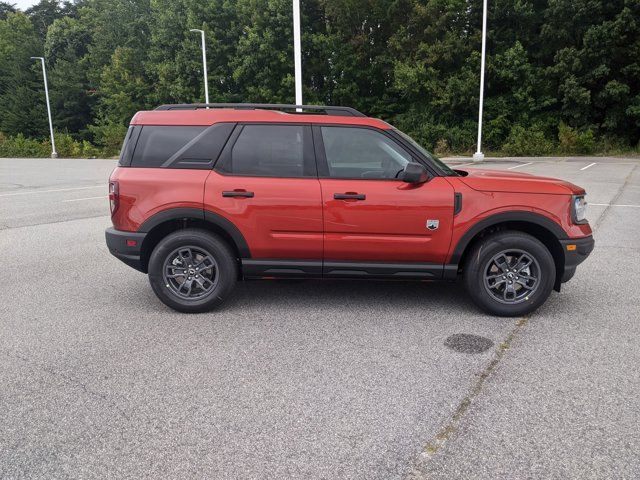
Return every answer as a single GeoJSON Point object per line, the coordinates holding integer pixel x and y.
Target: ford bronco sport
{"type": "Point", "coordinates": [205, 195]}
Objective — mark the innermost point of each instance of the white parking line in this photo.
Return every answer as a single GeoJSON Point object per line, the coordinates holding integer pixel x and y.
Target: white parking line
{"type": "Point", "coordinates": [50, 191]}
{"type": "Point", "coordinates": [590, 165]}
{"type": "Point", "coordinates": [86, 198]}
{"type": "Point", "coordinates": [614, 205]}
{"type": "Point", "coordinates": [518, 166]}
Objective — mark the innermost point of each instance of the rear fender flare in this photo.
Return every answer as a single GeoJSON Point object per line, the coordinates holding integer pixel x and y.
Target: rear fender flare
{"type": "Point", "coordinates": [202, 215]}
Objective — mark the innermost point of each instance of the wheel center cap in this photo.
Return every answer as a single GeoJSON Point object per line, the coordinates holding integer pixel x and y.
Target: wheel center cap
{"type": "Point", "coordinates": [192, 271]}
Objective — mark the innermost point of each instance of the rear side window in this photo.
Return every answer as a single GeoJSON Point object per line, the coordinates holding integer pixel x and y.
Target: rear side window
{"type": "Point", "coordinates": [270, 151]}
{"type": "Point", "coordinates": [180, 146]}
{"type": "Point", "coordinates": [128, 145]}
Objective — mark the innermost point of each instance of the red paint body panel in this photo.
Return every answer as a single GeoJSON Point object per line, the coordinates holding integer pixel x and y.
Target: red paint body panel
{"type": "Point", "coordinates": [282, 221]}
{"type": "Point", "coordinates": [147, 191]}
{"type": "Point", "coordinates": [517, 182]}
{"type": "Point", "coordinates": [298, 218]}
{"type": "Point", "coordinates": [479, 205]}
{"type": "Point", "coordinates": [390, 224]}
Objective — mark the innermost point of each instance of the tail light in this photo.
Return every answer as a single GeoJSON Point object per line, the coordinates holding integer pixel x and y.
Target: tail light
{"type": "Point", "coordinates": [114, 198]}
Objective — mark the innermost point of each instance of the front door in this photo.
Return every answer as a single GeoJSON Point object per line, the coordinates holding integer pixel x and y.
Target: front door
{"type": "Point", "coordinates": [370, 216]}
{"type": "Point", "coordinates": [266, 184]}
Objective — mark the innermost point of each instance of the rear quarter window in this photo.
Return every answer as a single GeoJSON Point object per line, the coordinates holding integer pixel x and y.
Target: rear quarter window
{"type": "Point", "coordinates": [195, 147]}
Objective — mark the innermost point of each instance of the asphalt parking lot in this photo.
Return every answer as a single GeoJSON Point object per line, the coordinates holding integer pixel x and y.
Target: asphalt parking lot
{"type": "Point", "coordinates": [312, 380]}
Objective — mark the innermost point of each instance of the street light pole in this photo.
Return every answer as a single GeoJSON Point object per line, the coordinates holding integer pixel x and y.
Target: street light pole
{"type": "Point", "coordinates": [479, 156]}
{"type": "Point", "coordinates": [204, 64]}
{"type": "Point", "coordinates": [54, 154]}
{"type": "Point", "coordinates": [297, 54]}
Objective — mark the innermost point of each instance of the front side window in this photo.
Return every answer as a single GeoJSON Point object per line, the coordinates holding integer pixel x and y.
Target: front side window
{"type": "Point", "coordinates": [445, 168]}
{"type": "Point", "coordinates": [362, 153]}
{"type": "Point", "coordinates": [269, 151]}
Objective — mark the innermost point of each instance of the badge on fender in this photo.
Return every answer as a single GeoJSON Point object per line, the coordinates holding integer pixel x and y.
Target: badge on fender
{"type": "Point", "coordinates": [433, 224]}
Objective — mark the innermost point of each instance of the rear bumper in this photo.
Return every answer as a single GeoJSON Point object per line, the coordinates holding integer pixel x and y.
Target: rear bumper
{"type": "Point", "coordinates": [121, 246]}
{"type": "Point", "coordinates": [575, 256]}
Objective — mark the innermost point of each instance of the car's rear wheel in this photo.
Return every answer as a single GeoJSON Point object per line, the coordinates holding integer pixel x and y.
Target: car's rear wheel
{"type": "Point", "coordinates": [192, 270]}
{"type": "Point", "coordinates": [509, 273]}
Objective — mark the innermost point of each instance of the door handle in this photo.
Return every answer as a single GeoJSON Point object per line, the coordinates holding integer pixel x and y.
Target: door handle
{"type": "Point", "coordinates": [238, 193]}
{"type": "Point", "coordinates": [349, 196]}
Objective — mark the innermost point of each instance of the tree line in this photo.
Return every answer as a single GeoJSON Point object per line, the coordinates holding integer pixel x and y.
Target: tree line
{"type": "Point", "coordinates": [562, 76]}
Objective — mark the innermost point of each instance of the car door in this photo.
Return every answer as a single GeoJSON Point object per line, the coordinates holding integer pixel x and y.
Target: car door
{"type": "Point", "coordinates": [265, 182]}
{"type": "Point", "coordinates": [371, 216]}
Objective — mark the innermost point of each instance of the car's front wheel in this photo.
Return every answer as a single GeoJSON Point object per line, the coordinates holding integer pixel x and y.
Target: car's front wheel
{"type": "Point", "coordinates": [509, 273]}
{"type": "Point", "coordinates": [192, 270]}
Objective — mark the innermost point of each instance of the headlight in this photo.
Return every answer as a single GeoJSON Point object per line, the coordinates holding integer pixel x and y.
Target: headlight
{"type": "Point", "coordinates": [579, 209]}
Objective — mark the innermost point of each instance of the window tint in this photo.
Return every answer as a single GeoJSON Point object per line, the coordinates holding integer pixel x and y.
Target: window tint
{"type": "Point", "coordinates": [128, 145]}
{"type": "Point", "coordinates": [362, 153]}
{"type": "Point", "coordinates": [269, 151]}
{"type": "Point", "coordinates": [180, 146]}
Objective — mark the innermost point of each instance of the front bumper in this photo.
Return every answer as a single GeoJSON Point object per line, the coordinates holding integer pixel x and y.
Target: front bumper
{"type": "Point", "coordinates": [121, 245]}
{"type": "Point", "coordinates": [576, 250]}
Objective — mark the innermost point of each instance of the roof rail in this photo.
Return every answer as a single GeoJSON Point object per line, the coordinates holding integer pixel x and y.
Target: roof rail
{"type": "Point", "coordinates": [327, 110]}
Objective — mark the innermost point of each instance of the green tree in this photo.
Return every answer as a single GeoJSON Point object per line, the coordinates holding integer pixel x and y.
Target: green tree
{"type": "Point", "coordinates": [22, 100]}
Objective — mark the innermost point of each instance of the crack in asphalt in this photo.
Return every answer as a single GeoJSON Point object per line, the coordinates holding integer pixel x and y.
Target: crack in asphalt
{"type": "Point", "coordinates": [614, 199]}
{"type": "Point", "coordinates": [418, 471]}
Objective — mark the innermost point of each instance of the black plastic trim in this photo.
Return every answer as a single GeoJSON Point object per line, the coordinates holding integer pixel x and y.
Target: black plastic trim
{"type": "Point", "coordinates": [337, 269]}
{"type": "Point", "coordinates": [573, 258]}
{"type": "Point", "coordinates": [199, 214]}
{"type": "Point", "coordinates": [232, 231]}
{"type": "Point", "coordinates": [117, 244]}
{"type": "Point", "coordinates": [327, 109]}
{"type": "Point", "coordinates": [513, 216]}
{"type": "Point", "coordinates": [281, 268]}
{"type": "Point", "coordinates": [170, 214]}
{"type": "Point", "coordinates": [457, 203]}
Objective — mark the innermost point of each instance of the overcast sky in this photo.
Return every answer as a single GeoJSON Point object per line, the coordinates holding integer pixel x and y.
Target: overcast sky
{"type": "Point", "coordinates": [23, 4]}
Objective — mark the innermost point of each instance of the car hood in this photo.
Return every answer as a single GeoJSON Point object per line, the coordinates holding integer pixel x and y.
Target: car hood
{"type": "Point", "coordinates": [517, 182]}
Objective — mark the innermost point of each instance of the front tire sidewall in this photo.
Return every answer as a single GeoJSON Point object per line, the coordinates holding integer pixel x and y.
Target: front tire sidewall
{"type": "Point", "coordinates": [227, 270]}
{"type": "Point", "coordinates": [478, 261]}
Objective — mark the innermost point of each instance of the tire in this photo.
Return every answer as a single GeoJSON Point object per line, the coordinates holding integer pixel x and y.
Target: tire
{"type": "Point", "coordinates": [173, 275]}
{"type": "Point", "coordinates": [498, 284]}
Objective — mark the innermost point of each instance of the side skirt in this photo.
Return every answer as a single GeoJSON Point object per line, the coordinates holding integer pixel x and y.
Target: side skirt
{"type": "Point", "coordinates": [266, 268]}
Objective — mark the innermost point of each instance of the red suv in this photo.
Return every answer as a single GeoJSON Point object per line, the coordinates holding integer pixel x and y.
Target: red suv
{"type": "Point", "coordinates": [205, 195]}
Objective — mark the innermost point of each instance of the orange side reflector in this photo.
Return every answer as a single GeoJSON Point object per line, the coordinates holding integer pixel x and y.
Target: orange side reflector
{"type": "Point", "coordinates": [571, 247]}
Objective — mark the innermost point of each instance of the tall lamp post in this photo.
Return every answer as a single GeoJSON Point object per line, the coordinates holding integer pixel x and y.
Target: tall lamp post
{"type": "Point", "coordinates": [479, 156]}
{"type": "Point", "coordinates": [54, 154]}
{"type": "Point", "coordinates": [204, 64]}
{"type": "Point", "coordinates": [297, 55]}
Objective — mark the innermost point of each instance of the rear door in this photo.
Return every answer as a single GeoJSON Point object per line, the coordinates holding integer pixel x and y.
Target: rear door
{"type": "Point", "coordinates": [265, 182]}
{"type": "Point", "coordinates": [371, 216]}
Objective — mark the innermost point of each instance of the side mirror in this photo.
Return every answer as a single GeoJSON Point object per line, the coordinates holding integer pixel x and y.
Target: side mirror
{"type": "Point", "coordinates": [414, 173]}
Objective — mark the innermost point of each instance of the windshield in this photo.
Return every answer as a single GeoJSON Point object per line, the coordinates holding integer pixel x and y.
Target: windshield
{"type": "Point", "coordinates": [443, 166]}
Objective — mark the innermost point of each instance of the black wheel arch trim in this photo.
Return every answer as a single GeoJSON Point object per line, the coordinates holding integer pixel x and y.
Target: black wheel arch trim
{"type": "Point", "coordinates": [199, 214]}
{"type": "Point", "coordinates": [514, 216]}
